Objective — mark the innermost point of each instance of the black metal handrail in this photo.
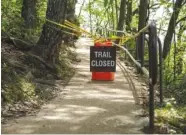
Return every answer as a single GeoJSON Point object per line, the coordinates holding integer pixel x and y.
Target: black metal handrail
{"type": "Point", "coordinates": [153, 67]}
{"type": "Point", "coordinates": [153, 42]}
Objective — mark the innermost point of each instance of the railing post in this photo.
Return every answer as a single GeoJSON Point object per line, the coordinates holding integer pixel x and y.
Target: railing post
{"type": "Point", "coordinates": [140, 50]}
{"type": "Point", "coordinates": [152, 71]}
{"type": "Point", "coordinates": [151, 105]}
{"type": "Point", "coordinates": [160, 71]}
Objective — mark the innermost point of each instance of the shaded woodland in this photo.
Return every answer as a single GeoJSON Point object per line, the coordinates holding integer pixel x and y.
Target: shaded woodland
{"type": "Point", "coordinates": [36, 53]}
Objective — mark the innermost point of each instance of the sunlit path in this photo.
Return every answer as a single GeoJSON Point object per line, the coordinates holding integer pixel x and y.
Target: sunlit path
{"type": "Point", "coordinates": [86, 106]}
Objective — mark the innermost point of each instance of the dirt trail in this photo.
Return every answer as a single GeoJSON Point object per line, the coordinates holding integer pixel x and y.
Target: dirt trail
{"type": "Point", "coordinates": [85, 106]}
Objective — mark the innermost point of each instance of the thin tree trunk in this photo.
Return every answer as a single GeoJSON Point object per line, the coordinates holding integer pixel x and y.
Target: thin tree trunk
{"type": "Point", "coordinates": [116, 7]}
{"type": "Point", "coordinates": [113, 19]}
{"type": "Point", "coordinates": [29, 13]}
{"type": "Point", "coordinates": [121, 18]}
{"type": "Point", "coordinates": [81, 8]}
{"type": "Point", "coordinates": [109, 23]}
{"type": "Point", "coordinates": [105, 32]}
{"type": "Point", "coordinates": [90, 15]}
{"type": "Point", "coordinates": [142, 14]}
{"type": "Point", "coordinates": [141, 24]}
{"type": "Point", "coordinates": [50, 38]}
{"type": "Point", "coordinates": [180, 51]}
{"type": "Point", "coordinates": [171, 28]}
{"type": "Point", "coordinates": [70, 16]}
{"type": "Point", "coordinates": [70, 10]}
{"type": "Point", "coordinates": [129, 15]}
{"type": "Point", "coordinates": [97, 24]}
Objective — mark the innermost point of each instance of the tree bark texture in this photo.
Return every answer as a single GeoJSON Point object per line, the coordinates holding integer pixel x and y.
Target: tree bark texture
{"type": "Point", "coordinates": [122, 15]}
{"type": "Point", "coordinates": [29, 13]}
{"type": "Point", "coordinates": [141, 24]}
{"type": "Point", "coordinates": [50, 37]}
{"type": "Point", "coordinates": [116, 7]}
{"type": "Point", "coordinates": [142, 14]}
{"type": "Point", "coordinates": [129, 15]}
{"type": "Point", "coordinates": [180, 50]}
{"type": "Point", "coordinates": [70, 10]}
{"type": "Point", "coordinates": [70, 16]}
{"type": "Point", "coordinates": [171, 28]}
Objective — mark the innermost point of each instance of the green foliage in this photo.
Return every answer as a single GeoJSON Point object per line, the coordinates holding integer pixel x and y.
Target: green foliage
{"type": "Point", "coordinates": [66, 58]}
{"type": "Point", "coordinates": [167, 4]}
{"type": "Point", "coordinates": [13, 23]}
{"type": "Point", "coordinates": [103, 16]}
{"type": "Point", "coordinates": [174, 116]}
{"type": "Point", "coordinates": [11, 17]}
{"type": "Point", "coordinates": [176, 87]}
{"type": "Point", "coordinates": [15, 87]}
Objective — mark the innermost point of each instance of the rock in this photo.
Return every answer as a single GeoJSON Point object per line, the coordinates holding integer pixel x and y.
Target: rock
{"type": "Point", "coordinates": [171, 131]}
{"type": "Point", "coordinates": [27, 103]}
{"type": "Point", "coordinates": [13, 109]}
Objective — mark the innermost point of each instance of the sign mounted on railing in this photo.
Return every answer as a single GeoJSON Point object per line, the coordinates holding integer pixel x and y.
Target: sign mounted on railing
{"type": "Point", "coordinates": [103, 59]}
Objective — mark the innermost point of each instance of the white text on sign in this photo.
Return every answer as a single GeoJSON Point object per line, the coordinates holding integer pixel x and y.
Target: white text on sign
{"type": "Point", "coordinates": [103, 59]}
{"type": "Point", "coordinates": [102, 54]}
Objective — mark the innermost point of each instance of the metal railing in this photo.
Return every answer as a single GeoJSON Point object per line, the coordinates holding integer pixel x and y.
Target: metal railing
{"type": "Point", "coordinates": [153, 44]}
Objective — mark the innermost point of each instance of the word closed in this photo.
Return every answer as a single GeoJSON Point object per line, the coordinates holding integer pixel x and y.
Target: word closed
{"type": "Point", "coordinates": [102, 58]}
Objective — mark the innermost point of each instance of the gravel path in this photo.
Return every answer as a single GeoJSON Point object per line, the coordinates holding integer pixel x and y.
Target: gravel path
{"type": "Point", "coordinates": [86, 106]}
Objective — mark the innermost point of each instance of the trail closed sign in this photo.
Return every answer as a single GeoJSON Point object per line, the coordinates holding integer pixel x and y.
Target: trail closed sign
{"type": "Point", "coordinates": [103, 59]}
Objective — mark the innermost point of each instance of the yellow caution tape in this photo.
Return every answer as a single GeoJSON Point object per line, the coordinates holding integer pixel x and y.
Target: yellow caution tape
{"type": "Point", "coordinates": [61, 25]}
{"type": "Point", "coordinates": [78, 30]}
{"type": "Point", "coordinates": [64, 31]}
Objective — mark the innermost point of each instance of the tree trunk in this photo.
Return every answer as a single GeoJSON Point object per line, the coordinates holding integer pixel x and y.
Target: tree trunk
{"type": "Point", "coordinates": [70, 16]}
{"type": "Point", "coordinates": [109, 23]}
{"type": "Point", "coordinates": [121, 18]}
{"type": "Point", "coordinates": [70, 10]}
{"type": "Point", "coordinates": [50, 37]}
{"type": "Point", "coordinates": [90, 15]}
{"type": "Point", "coordinates": [171, 28]}
{"type": "Point", "coordinates": [29, 13]}
{"type": "Point", "coordinates": [113, 19]}
{"type": "Point", "coordinates": [142, 14]}
{"type": "Point", "coordinates": [116, 6]}
{"type": "Point", "coordinates": [129, 15]}
{"type": "Point", "coordinates": [180, 51]}
{"type": "Point", "coordinates": [81, 8]}
{"type": "Point", "coordinates": [141, 24]}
